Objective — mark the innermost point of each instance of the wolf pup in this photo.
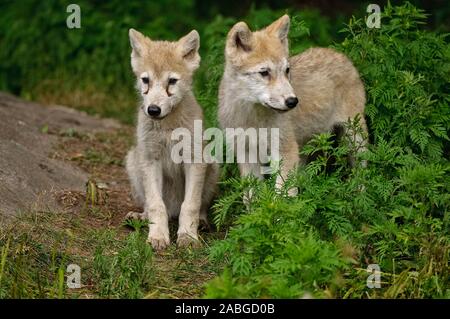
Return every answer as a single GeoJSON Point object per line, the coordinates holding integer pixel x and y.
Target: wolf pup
{"type": "Point", "coordinates": [165, 189]}
{"type": "Point", "coordinates": [310, 93]}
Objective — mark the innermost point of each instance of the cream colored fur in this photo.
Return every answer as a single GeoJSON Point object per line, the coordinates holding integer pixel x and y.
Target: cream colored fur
{"type": "Point", "coordinates": [164, 189]}
{"type": "Point", "coordinates": [325, 82]}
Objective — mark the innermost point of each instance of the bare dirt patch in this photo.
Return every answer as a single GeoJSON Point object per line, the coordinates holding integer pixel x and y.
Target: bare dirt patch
{"type": "Point", "coordinates": [28, 177]}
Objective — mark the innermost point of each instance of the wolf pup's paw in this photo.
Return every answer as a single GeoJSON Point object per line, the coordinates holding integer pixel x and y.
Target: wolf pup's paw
{"type": "Point", "coordinates": [293, 192]}
{"type": "Point", "coordinates": [136, 215]}
{"type": "Point", "coordinates": [158, 243]}
{"type": "Point", "coordinates": [158, 238]}
{"type": "Point", "coordinates": [186, 240]}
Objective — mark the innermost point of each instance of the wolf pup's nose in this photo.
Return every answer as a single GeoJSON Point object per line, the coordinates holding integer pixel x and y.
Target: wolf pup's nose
{"type": "Point", "coordinates": [291, 102]}
{"type": "Point", "coordinates": [153, 110]}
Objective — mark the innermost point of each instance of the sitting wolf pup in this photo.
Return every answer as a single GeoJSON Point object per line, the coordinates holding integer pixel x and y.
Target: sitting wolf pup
{"type": "Point", "coordinates": [165, 189]}
{"type": "Point", "coordinates": [310, 93]}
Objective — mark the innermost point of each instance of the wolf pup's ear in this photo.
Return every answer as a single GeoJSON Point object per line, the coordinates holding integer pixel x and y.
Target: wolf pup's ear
{"type": "Point", "coordinates": [240, 38]}
{"type": "Point", "coordinates": [188, 48]}
{"type": "Point", "coordinates": [280, 28]}
{"type": "Point", "coordinates": [136, 40]}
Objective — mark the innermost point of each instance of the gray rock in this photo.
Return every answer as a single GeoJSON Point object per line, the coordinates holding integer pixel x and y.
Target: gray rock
{"type": "Point", "coordinates": [29, 179]}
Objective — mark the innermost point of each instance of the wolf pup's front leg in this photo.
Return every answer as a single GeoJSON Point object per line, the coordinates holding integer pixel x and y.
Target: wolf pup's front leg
{"type": "Point", "coordinates": [290, 160]}
{"type": "Point", "coordinates": [190, 209]}
{"type": "Point", "coordinates": [154, 206]}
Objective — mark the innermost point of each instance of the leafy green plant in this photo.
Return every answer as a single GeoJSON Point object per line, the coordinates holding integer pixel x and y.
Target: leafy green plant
{"type": "Point", "coordinates": [406, 71]}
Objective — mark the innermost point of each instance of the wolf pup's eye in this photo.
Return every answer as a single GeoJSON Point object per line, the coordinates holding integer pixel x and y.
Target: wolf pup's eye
{"type": "Point", "coordinates": [145, 80]}
{"type": "Point", "coordinates": [287, 70]}
{"type": "Point", "coordinates": [172, 81]}
{"type": "Point", "coordinates": [264, 73]}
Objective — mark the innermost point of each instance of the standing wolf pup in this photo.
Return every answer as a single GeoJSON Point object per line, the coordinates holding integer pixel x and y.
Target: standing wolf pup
{"type": "Point", "coordinates": [320, 88]}
{"type": "Point", "coordinates": [164, 72]}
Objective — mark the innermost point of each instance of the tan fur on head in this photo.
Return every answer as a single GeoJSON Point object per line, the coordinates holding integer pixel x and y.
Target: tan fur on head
{"type": "Point", "coordinates": [181, 56]}
{"type": "Point", "coordinates": [137, 41]}
{"type": "Point", "coordinates": [245, 48]}
{"type": "Point", "coordinates": [280, 29]}
{"type": "Point", "coordinates": [164, 69]}
{"type": "Point", "coordinates": [188, 47]}
{"type": "Point", "coordinates": [239, 38]}
{"type": "Point", "coordinates": [250, 55]}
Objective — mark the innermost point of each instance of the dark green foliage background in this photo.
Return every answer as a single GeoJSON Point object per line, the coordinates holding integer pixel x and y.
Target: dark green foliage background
{"type": "Point", "coordinates": [89, 68]}
{"type": "Point", "coordinates": [394, 213]}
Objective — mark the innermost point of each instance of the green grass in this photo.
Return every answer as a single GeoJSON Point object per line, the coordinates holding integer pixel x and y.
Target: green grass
{"type": "Point", "coordinates": [126, 272]}
{"type": "Point", "coordinates": [34, 263]}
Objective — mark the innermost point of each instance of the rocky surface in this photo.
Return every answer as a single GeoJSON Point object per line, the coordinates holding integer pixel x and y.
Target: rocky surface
{"type": "Point", "coordinates": [29, 178]}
